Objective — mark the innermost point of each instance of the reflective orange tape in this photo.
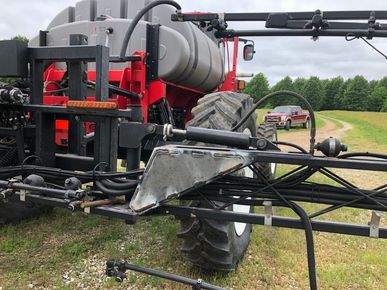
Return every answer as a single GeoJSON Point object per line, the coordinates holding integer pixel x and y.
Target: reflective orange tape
{"type": "Point", "coordinates": [92, 105]}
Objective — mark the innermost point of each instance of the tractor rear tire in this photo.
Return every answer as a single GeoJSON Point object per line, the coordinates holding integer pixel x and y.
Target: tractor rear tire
{"type": "Point", "coordinates": [268, 131]}
{"type": "Point", "coordinates": [211, 244]}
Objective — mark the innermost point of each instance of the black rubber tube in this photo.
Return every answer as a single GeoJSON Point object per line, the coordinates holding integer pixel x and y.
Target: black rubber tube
{"type": "Point", "coordinates": [292, 94]}
{"type": "Point", "coordinates": [119, 186]}
{"type": "Point", "coordinates": [112, 192]}
{"type": "Point", "coordinates": [290, 145]}
{"type": "Point", "coordinates": [362, 154]}
{"type": "Point", "coordinates": [137, 19]}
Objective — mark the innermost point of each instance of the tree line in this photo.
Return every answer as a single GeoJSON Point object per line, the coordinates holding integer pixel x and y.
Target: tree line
{"type": "Point", "coordinates": [356, 94]}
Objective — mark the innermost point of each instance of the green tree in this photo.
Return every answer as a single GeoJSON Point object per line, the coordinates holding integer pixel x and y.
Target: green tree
{"type": "Point", "coordinates": [340, 96]}
{"type": "Point", "coordinates": [314, 92]}
{"type": "Point", "coordinates": [384, 107]}
{"type": "Point", "coordinates": [257, 87]}
{"type": "Point", "coordinates": [383, 82]}
{"type": "Point", "coordinates": [299, 87]}
{"type": "Point", "coordinates": [377, 99]}
{"type": "Point", "coordinates": [356, 94]}
{"type": "Point", "coordinates": [20, 38]}
{"type": "Point", "coordinates": [373, 85]}
{"type": "Point", "coordinates": [284, 84]}
{"type": "Point", "coordinates": [331, 99]}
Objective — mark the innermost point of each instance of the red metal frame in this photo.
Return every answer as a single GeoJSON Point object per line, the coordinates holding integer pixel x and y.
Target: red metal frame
{"type": "Point", "coordinates": [133, 78]}
{"type": "Point", "coordinates": [231, 81]}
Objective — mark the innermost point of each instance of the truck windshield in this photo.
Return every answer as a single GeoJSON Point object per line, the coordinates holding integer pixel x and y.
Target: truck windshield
{"type": "Point", "coordinates": [283, 110]}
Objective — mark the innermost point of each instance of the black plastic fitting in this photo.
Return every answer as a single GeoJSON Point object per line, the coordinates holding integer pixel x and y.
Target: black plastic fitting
{"type": "Point", "coordinates": [331, 147]}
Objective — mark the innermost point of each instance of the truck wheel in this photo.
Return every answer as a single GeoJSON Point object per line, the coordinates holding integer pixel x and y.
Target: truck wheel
{"type": "Point", "coordinates": [288, 125]}
{"type": "Point", "coordinates": [14, 211]}
{"type": "Point", "coordinates": [210, 244]}
{"type": "Point", "coordinates": [306, 124]}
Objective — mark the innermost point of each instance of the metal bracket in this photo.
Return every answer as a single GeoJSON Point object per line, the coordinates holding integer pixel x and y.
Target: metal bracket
{"type": "Point", "coordinates": [268, 213]}
{"type": "Point", "coordinates": [23, 195]}
{"type": "Point", "coordinates": [375, 223]}
{"type": "Point", "coordinates": [192, 167]}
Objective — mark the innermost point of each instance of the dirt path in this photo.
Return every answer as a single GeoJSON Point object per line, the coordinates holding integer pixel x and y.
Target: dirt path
{"type": "Point", "coordinates": [368, 179]}
{"type": "Point", "coordinates": [330, 129]}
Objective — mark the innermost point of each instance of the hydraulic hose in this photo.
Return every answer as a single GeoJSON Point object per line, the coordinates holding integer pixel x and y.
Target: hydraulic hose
{"type": "Point", "coordinates": [362, 154]}
{"type": "Point", "coordinates": [138, 17]}
{"type": "Point", "coordinates": [302, 150]}
{"type": "Point", "coordinates": [292, 94]}
{"type": "Point", "coordinates": [112, 192]}
{"type": "Point", "coordinates": [119, 186]}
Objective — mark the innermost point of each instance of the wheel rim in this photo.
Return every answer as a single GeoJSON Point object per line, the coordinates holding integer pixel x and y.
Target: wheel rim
{"type": "Point", "coordinates": [247, 172]}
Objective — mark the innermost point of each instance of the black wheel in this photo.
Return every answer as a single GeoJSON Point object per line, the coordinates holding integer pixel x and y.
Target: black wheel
{"type": "Point", "coordinates": [14, 211]}
{"type": "Point", "coordinates": [288, 125]}
{"type": "Point", "coordinates": [306, 124]}
{"type": "Point", "coordinates": [210, 244]}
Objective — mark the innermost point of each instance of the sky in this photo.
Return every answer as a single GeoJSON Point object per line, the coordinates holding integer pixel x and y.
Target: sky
{"type": "Point", "coordinates": [276, 57]}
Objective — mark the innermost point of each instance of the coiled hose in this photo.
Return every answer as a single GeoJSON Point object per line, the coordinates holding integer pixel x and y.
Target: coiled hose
{"type": "Point", "coordinates": [292, 94]}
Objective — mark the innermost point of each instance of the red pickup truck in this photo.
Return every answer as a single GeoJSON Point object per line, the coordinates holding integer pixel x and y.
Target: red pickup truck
{"type": "Point", "coordinates": [287, 117]}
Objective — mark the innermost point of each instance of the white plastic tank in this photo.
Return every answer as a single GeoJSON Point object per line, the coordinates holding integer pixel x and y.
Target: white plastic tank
{"type": "Point", "coordinates": [187, 56]}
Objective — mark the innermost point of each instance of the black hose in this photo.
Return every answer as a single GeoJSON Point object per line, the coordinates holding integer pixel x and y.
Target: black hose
{"type": "Point", "coordinates": [290, 145]}
{"type": "Point", "coordinates": [138, 17]}
{"type": "Point", "coordinates": [111, 192]}
{"type": "Point", "coordinates": [21, 169]}
{"type": "Point", "coordinates": [362, 154]}
{"type": "Point", "coordinates": [292, 94]}
{"type": "Point", "coordinates": [119, 186]}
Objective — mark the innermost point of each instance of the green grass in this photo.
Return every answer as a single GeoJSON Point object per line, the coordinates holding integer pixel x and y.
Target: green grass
{"type": "Point", "coordinates": [370, 129]}
{"type": "Point", "coordinates": [68, 251]}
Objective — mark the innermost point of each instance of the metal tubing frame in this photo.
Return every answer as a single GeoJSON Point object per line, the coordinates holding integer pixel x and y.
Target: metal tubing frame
{"type": "Point", "coordinates": [263, 16]}
{"type": "Point", "coordinates": [106, 131]}
{"type": "Point", "coordinates": [296, 23]}
{"type": "Point", "coordinates": [277, 221]}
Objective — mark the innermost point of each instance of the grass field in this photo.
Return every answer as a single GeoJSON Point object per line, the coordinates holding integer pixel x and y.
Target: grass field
{"type": "Point", "coordinates": [67, 251]}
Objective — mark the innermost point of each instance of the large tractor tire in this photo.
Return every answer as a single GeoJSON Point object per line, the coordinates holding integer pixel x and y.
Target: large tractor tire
{"type": "Point", "coordinates": [210, 244]}
{"type": "Point", "coordinates": [268, 131]}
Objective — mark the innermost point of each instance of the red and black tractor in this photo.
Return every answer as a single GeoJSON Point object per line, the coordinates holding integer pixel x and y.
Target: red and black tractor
{"type": "Point", "coordinates": [141, 82]}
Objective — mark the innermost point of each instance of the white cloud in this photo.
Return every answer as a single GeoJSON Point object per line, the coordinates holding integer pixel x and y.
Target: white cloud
{"type": "Point", "coordinates": [276, 57]}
